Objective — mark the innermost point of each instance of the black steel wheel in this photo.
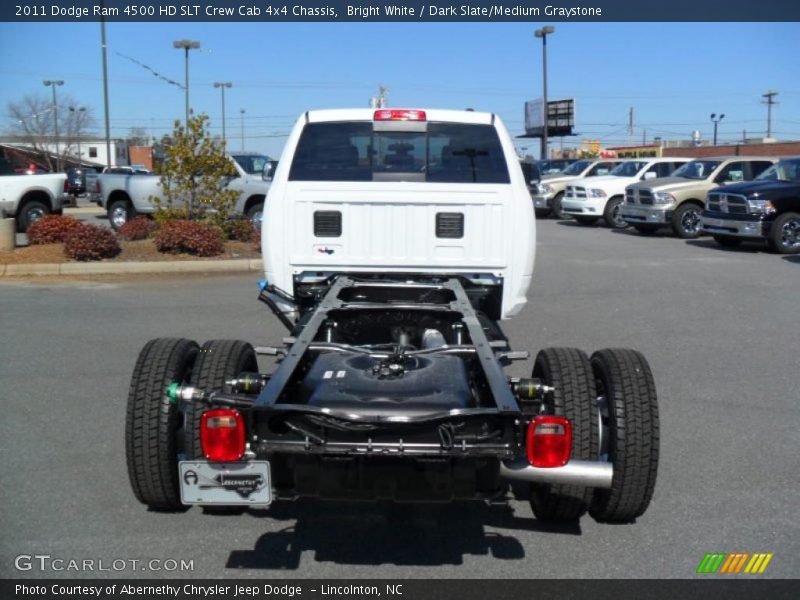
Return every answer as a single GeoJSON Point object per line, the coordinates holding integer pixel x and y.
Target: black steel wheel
{"type": "Point", "coordinates": [153, 424]}
{"type": "Point", "coordinates": [569, 371]}
{"type": "Point", "coordinates": [630, 418]}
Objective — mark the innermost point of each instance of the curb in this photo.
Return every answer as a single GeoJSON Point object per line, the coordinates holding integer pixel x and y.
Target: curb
{"type": "Point", "coordinates": [235, 265]}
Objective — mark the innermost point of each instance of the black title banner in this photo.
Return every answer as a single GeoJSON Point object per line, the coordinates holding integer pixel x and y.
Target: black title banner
{"type": "Point", "coordinates": [398, 10]}
{"type": "Point", "coordinates": [401, 589]}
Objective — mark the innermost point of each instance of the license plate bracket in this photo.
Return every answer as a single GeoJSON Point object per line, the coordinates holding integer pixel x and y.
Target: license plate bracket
{"type": "Point", "coordinates": [225, 484]}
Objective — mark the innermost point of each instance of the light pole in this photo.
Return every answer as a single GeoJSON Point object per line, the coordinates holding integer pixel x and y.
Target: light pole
{"type": "Point", "coordinates": [53, 83]}
{"type": "Point", "coordinates": [103, 49]}
{"type": "Point", "coordinates": [716, 121]}
{"type": "Point", "coordinates": [543, 33]}
{"type": "Point", "coordinates": [241, 112]}
{"type": "Point", "coordinates": [186, 45]}
{"type": "Point", "coordinates": [78, 120]}
{"type": "Point", "coordinates": [222, 85]}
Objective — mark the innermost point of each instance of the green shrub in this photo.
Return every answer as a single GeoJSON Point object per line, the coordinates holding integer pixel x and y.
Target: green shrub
{"type": "Point", "coordinates": [91, 242]}
{"type": "Point", "coordinates": [51, 229]}
{"type": "Point", "coordinates": [189, 237]}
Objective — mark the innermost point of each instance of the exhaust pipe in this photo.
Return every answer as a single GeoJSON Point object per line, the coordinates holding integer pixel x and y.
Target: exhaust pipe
{"type": "Point", "coordinates": [585, 473]}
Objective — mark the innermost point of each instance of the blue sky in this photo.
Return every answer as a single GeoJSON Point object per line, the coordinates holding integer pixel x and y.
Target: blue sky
{"type": "Point", "coordinates": [674, 75]}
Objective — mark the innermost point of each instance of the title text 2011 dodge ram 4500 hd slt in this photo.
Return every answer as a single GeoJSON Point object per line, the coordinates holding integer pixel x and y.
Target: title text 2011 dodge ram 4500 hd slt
{"type": "Point", "coordinates": [549, 192]}
{"type": "Point", "coordinates": [29, 197]}
{"type": "Point", "coordinates": [398, 239]}
{"type": "Point", "coordinates": [126, 195]}
{"type": "Point", "coordinates": [678, 200]}
{"type": "Point", "coordinates": [767, 208]}
{"type": "Point", "coordinates": [589, 199]}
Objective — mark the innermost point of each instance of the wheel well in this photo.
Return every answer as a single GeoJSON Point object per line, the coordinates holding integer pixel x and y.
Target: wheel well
{"type": "Point", "coordinates": [34, 195]}
{"type": "Point", "coordinates": [119, 195]}
{"type": "Point", "coordinates": [252, 200]}
{"type": "Point", "coordinates": [699, 203]}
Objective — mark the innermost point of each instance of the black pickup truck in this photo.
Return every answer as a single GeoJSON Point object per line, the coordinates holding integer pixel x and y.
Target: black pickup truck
{"type": "Point", "coordinates": [767, 208]}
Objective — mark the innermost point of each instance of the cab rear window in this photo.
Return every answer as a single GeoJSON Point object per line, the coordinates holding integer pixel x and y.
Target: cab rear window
{"type": "Point", "coordinates": [444, 153]}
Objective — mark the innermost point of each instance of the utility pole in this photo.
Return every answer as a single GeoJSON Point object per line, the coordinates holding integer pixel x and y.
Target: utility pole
{"type": "Point", "coordinates": [53, 83]}
{"type": "Point", "coordinates": [630, 125]}
{"type": "Point", "coordinates": [769, 102]}
{"type": "Point", "coordinates": [222, 85]}
{"type": "Point", "coordinates": [241, 112]}
{"type": "Point", "coordinates": [644, 137]}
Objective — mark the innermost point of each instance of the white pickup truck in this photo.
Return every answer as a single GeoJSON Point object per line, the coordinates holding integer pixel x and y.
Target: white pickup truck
{"type": "Point", "coordinates": [399, 238]}
{"type": "Point", "coordinates": [127, 195]}
{"type": "Point", "coordinates": [589, 199]}
{"type": "Point", "coordinates": [29, 197]}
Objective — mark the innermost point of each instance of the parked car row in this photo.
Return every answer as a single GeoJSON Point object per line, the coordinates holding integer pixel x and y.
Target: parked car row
{"type": "Point", "coordinates": [730, 197]}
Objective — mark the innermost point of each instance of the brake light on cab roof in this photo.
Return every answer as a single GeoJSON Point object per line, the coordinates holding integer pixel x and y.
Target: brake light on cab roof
{"type": "Point", "coordinates": [399, 114]}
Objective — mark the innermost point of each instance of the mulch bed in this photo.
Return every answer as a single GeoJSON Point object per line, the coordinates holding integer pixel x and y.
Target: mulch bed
{"type": "Point", "coordinates": [143, 250]}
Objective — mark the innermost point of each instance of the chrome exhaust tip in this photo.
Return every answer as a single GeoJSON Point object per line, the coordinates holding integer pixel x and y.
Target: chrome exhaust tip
{"type": "Point", "coordinates": [585, 473]}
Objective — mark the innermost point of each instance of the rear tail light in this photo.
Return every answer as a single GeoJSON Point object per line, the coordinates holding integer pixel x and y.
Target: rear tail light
{"type": "Point", "coordinates": [66, 185]}
{"type": "Point", "coordinates": [97, 187]}
{"type": "Point", "coordinates": [222, 435]}
{"type": "Point", "coordinates": [399, 114]}
{"type": "Point", "coordinates": [549, 441]}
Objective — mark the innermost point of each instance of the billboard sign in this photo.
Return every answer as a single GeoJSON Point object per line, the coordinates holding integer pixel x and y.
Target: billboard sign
{"type": "Point", "coordinates": [560, 117]}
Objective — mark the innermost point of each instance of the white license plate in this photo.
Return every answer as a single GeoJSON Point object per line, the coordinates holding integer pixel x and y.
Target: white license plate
{"type": "Point", "coordinates": [228, 484]}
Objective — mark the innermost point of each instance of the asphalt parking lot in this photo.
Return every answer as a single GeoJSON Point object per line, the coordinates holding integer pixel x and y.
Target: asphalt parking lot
{"type": "Point", "coordinates": [719, 327]}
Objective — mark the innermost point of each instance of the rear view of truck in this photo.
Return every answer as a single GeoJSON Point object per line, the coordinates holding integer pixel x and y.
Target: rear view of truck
{"type": "Point", "coordinates": [396, 241]}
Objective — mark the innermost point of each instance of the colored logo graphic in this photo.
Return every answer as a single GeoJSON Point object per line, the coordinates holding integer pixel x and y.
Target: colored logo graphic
{"type": "Point", "coordinates": [735, 563]}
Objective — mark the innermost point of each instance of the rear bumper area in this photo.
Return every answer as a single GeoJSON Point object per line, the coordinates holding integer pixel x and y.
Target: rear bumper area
{"type": "Point", "coordinates": [745, 226]}
{"type": "Point", "coordinates": [400, 479]}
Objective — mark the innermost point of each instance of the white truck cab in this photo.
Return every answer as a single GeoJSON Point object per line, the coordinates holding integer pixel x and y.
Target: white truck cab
{"type": "Point", "coordinates": [589, 199]}
{"type": "Point", "coordinates": [417, 191]}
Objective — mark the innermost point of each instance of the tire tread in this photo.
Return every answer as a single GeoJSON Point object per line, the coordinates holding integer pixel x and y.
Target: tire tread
{"type": "Point", "coordinates": [634, 442]}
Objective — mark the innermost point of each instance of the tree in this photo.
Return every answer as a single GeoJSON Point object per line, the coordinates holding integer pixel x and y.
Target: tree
{"type": "Point", "coordinates": [137, 136]}
{"type": "Point", "coordinates": [194, 175]}
{"type": "Point", "coordinates": [34, 123]}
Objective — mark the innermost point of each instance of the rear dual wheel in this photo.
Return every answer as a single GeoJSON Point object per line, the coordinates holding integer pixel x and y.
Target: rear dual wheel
{"type": "Point", "coordinates": [218, 361]}
{"type": "Point", "coordinates": [611, 403]}
{"type": "Point", "coordinates": [568, 371]}
{"type": "Point", "coordinates": [630, 408]}
{"type": "Point", "coordinates": [153, 424]}
{"type": "Point", "coordinates": [157, 434]}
